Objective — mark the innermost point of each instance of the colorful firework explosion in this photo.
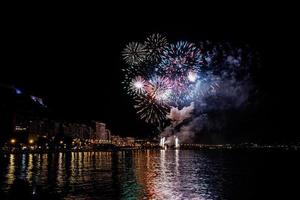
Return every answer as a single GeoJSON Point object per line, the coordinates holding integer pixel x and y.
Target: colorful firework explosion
{"type": "Point", "coordinates": [162, 75]}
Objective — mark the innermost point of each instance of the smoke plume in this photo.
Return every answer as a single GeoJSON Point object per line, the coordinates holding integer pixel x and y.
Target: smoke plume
{"type": "Point", "coordinates": [227, 90]}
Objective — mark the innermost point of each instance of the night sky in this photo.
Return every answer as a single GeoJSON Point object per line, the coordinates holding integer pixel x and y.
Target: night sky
{"type": "Point", "coordinates": [75, 63]}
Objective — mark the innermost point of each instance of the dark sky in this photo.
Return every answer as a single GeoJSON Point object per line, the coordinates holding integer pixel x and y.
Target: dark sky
{"type": "Point", "coordinates": [74, 62]}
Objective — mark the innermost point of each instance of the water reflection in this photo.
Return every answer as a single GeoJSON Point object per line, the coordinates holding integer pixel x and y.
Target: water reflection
{"type": "Point", "coordinates": [11, 170]}
{"type": "Point", "coordinates": [164, 174]}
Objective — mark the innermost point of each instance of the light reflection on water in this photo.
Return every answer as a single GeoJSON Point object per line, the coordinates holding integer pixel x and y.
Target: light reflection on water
{"type": "Point", "coordinates": [162, 174]}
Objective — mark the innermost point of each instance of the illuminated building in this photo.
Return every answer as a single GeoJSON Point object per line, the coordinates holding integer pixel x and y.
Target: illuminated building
{"type": "Point", "coordinates": [79, 131]}
{"type": "Point", "coordinates": [20, 114]}
{"type": "Point", "coordinates": [101, 133]}
{"type": "Point", "coordinates": [122, 141]}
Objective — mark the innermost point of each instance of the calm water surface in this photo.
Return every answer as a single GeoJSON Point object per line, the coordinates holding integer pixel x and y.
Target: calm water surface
{"type": "Point", "coordinates": [171, 174]}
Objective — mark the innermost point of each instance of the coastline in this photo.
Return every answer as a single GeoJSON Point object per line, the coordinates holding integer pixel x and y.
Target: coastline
{"type": "Point", "coordinates": [120, 149]}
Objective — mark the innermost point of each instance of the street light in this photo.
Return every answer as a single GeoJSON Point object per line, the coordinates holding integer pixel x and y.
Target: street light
{"type": "Point", "coordinates": [13, 141]}
{"type": "Point", "coordinates": [31, 141]}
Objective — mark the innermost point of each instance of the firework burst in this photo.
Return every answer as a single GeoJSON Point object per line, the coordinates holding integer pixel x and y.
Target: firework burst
{"type": "Point", "coordinates": [150, 110]}
{"type": "Point", "coordinates": [160, 76]}
{"type": "Point", "coordinates": [155, 45]}
{"type": "Point", "coordinates": [180, 58]}
{"type": "Point", "coordinates": [134, 53]}
{"type": "Point", "coordinates": [159, 89]}
{"type": "Point", "coordinates": [137, 85]}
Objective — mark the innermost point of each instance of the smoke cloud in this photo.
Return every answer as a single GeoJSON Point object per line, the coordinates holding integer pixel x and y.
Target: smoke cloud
{"type": "Point", "coordinates": [178, 116]}
{"type": "Point", "coordinates": [227, 88]}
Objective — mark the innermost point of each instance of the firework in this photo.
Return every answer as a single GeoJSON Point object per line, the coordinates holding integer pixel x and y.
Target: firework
{"type": "Point", "coordinates": [134, 53]}
{"type": "Point", "coordinates": [151, 110]}
{"type": "Point", "coordinates": [192, 76]}
{"type": "Point", "coordinates": [160, 76]}
{"type": "Point", "coordinates": [137, 85]}
{"type": "Point", "coordinates": [155, 45]}
{"type": "Point", "coordinates": [159, 88]}
{"type": "Point", "coordinates": [165, 81]}
{"type": "Point", "coordinates": [180, 58]}
{"type": "Point", "coordinates": [151, 98]}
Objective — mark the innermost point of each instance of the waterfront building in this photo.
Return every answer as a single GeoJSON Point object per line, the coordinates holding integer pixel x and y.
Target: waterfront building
{"type": "Point", "coordinates": [102, 134]}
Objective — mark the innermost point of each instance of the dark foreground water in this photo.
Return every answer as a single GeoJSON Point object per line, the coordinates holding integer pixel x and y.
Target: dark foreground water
{"type": "Point", "coordinates": [171, 174]}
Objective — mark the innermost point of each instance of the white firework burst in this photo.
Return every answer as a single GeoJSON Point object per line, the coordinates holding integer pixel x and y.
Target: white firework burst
{"type": "Point", "coordinates": [137, 85]}
{"type": "Point", "coordinates": [134, 53]}
{"type": "Point", "coordinates": [155, 45]}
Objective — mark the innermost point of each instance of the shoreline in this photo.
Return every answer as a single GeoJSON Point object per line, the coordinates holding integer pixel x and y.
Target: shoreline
{"type": "Point", "coordinates": [3, 152]}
